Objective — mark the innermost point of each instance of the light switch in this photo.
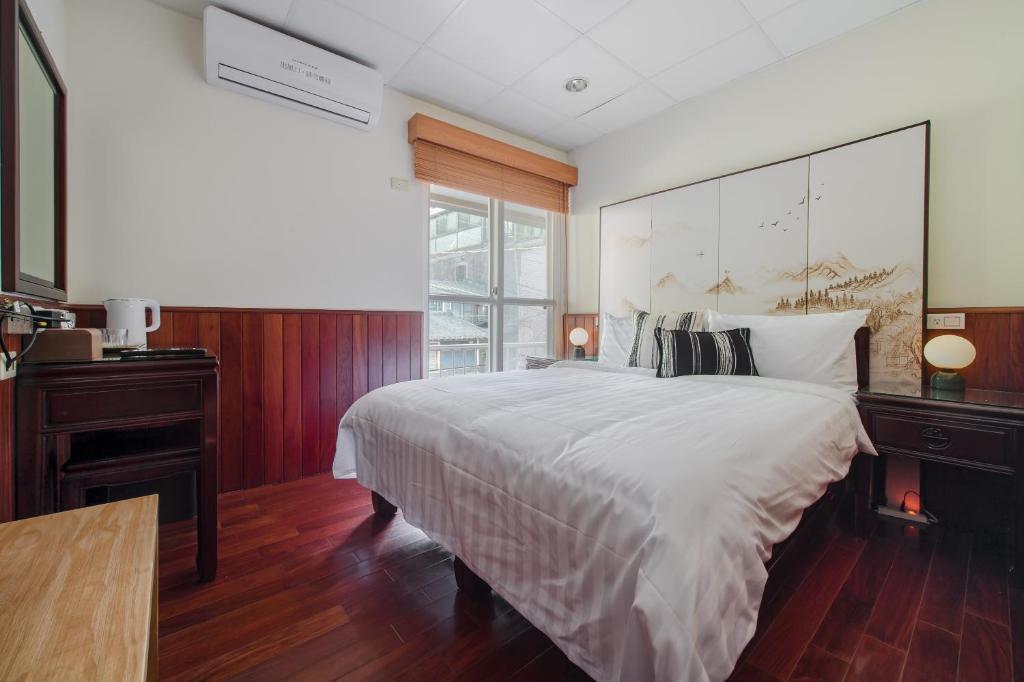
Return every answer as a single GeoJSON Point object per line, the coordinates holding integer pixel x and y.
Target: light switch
{"type": "Point", "coordinates": [401, 184]}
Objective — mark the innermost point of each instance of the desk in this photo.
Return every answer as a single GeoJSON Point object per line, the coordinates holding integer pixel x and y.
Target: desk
{"type": "Point", "coordinates": [79, 594]}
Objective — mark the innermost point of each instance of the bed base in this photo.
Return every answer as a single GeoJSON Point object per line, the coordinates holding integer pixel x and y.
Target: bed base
{"type": "Point", "coordinates": [382, 509]}
{"type": "Point", "coordinates": [847, 502]}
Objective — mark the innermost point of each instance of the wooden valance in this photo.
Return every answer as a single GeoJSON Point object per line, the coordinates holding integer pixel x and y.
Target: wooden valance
{"type": "Point", "coordinates": [458, 158]}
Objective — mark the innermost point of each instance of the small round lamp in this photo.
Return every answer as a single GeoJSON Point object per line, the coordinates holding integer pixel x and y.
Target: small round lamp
{"type": "Point", "coordinates": [948, 353]}
{"type": "Point", "coordinates": [578, 337]}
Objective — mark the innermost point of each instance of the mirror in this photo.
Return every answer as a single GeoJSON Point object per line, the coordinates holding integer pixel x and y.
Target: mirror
{"type": "Point", "coordinates": [32, 148]}
{"type": "Point", "coordinates": [37, 169]}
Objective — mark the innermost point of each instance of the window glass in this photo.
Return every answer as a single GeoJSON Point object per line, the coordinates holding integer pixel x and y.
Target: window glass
{"type": "Point", "coordinates": [459, 339]}
{"type": "Point", "coordinates": [480, 320]}
{"type": "Point", "coordinates": [526, 332]}
{"type": "Point", "coordinates": [526, 246]}
{"type": "Point", "coordinates": [460, 251]}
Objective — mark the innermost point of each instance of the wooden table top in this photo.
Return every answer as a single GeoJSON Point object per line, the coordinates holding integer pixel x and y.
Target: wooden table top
{"type": "Point", "coordinates": [77, 593]}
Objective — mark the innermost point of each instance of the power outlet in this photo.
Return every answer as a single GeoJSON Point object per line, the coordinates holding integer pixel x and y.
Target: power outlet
{"type": "Point", "coordinates": [5, 373]}
{"type": "Point", "coordinates": [946, 321]}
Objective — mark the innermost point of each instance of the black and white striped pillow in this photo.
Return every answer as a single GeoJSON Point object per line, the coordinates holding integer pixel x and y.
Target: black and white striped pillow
{"type": "Point", "coordinates": [644, 352]}
{"type": "Point", "coordinates": [683, 353]}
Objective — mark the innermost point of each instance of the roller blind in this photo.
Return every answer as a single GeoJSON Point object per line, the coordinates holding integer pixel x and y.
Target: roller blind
{"type": "Point", "coordinates": [457, 158]}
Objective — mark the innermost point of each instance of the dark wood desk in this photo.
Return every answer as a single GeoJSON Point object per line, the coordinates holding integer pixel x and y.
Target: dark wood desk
{"type": "Point", "coordinates": [976, 429]}
{"type": "Point", "coordinates": [91, 432]}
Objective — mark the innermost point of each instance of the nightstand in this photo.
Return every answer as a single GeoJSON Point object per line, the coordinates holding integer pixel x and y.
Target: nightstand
{"type": "Point", "coordinates": [975, 429]}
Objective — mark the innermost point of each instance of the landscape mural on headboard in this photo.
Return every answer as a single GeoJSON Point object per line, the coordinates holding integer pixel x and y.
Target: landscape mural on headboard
{"type": "Point", "coordinates": [839, 229]}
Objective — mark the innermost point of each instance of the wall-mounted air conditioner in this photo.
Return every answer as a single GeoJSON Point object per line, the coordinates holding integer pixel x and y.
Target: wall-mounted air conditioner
{"type": "Point", "coordinates": [244, 56]}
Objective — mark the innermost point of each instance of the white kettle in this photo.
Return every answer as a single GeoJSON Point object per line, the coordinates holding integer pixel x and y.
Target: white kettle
{"type": "Point", "coordinates": [130, 314]}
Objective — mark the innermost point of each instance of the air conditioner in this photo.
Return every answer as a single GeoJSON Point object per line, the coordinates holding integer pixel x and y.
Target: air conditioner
{"type": "Point", "coordinates": [244, 56]}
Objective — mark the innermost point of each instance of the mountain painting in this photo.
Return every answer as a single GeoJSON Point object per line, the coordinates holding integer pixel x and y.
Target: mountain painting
{"type": "Point", "coordinates": [836, 230]}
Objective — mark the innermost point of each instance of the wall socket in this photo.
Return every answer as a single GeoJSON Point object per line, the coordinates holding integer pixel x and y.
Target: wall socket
{"type": "Point", "coordinates": [5, 373]}
{"type": "Point", "coordinates": [946, 321]}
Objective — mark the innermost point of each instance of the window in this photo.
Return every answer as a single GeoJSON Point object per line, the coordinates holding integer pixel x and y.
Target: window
{"type": "Point", "coordinates": [492, 283]}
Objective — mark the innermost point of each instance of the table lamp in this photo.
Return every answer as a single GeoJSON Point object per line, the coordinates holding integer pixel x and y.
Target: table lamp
{"type": "Point", "coordinates": [578, 337]}
{"type": "Point", "coordinates": [949, 353]}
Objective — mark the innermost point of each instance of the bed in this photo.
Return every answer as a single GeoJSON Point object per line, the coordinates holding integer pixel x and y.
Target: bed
{"type": "Point", "coordinates": [631, 519]}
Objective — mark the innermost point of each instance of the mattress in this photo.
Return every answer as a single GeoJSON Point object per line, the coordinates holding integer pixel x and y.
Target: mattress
{"type": "Point", "coordinates": [627, 517]}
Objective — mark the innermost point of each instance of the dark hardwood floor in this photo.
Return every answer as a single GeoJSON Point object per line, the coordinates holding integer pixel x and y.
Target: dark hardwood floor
{"type": "Point", "coordinates": [312, 586]}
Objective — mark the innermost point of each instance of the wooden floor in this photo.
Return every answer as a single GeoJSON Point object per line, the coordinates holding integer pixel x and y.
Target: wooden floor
{"type": "Point", "coordinates": [311, 586]}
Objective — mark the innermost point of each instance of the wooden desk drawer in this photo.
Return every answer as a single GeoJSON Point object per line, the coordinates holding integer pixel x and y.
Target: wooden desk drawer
{"type": "Point", "coordinates": [945, 438]}
{"type": "Point", "coordinates": [78, 406]}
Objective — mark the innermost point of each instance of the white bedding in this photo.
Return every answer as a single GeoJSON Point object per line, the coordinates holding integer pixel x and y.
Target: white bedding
{"type": "Point", "coordinates": [627, 517]}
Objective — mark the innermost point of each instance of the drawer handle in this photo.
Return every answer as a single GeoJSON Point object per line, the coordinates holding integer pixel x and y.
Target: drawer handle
{"type": "Point", "coordinates": [935, 438]}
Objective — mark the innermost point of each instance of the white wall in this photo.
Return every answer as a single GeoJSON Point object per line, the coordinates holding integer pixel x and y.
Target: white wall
{"type": "Point", "coordinates": [954, 62]}
{"type": "Point", "coordinates": [197, 196]}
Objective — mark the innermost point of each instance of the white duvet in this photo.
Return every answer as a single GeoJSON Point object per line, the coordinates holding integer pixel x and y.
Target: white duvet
{"type": "Point", "coordinates": [627, 517]}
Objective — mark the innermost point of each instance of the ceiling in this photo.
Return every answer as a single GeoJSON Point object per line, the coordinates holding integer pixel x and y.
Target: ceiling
{"type": "Point", "coordinates": [506, 62]}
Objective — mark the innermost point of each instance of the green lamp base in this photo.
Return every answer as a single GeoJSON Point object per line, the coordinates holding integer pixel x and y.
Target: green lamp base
{"type": "Point", "coordinates": [947, 381]}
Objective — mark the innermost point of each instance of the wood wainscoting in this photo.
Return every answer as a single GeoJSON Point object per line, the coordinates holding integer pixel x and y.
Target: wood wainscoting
{"type": "Point", "coordinates": [589, 322]}
{"type": "Point", "coordinates": [998, 335]}
{"type": "Point", "coordinates": [287, 377]}
{"type": "Point", "coordinates": [7, 439]}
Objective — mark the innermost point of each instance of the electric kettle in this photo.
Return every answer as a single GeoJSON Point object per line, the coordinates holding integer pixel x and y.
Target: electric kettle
{"type": "Point", "coordinates": [130, 314]}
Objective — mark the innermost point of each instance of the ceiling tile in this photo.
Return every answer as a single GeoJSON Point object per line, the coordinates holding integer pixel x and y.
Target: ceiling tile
{"type": "Point", "coordinates": [641, 102]}
{"type": "Point", "coordinates": [519, 114]}
{"type": "Point", "coordinates": [342, 30]}
{"type": "Point", "coordinates": [608, 77]}
{"type": "Point", "coordinates": [569, 135]}
{"type": "Point", "coordinates": [583, 14]}
{"type": "Point", "coordinates": [810, 22]}
{"type": "Point", "coordinates": [762, 9]}
{"type": "Point", "coordinates": [414, 18]}
{"type": "Point", "coordinates": [502, 39]}
{"type": "Point", "coordinates": [266, 11]}
{"type": "Point", "coordinates": [719, 64]}
{"type": "Point", "coordinates": [437, 79]}
{"type": "Point", "coordinates": [652, 35]}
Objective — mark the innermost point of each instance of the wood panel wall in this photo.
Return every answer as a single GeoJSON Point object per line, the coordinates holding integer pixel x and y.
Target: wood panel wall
{"type": "Point", "coordinates": [998, 336]}
{"type": "Point", "coordinates": [997, 333]}
{"type": "Point", "coordinates": [287, 377]}
{"type": "Point", "coordinates": [7, 439]}
{"type": "Point", "coordinates": [586, 320]}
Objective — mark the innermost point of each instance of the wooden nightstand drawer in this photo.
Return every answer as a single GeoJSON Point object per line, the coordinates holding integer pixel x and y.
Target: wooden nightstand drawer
{"type": "Point", "coordinates": [97, 404]}
{"type": "Point", "coordinates": [946, 438]}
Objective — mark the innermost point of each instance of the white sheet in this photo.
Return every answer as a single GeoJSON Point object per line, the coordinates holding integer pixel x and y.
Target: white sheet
{"type": "Point", "coordinates": [627, 517]}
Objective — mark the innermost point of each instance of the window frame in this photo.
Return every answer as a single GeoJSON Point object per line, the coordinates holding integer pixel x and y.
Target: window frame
{"type": "Point", "coordinates": [496, 299]}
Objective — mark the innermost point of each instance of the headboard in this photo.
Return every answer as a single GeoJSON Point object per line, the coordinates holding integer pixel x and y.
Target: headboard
{"type": "Point", "coordinates": [839, 229]}
{"type": "Point", "coordinates": [862, 349]}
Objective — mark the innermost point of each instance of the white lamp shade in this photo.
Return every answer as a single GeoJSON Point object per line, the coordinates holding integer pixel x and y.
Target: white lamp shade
{"type": "Point", "coordinates": [579, 336]}
{"type": "Point", "coordinates": [950, 352]}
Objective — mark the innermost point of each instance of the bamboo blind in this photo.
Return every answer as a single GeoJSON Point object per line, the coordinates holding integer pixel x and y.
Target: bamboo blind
{"type": "Point", "coordinates": [460, 159]}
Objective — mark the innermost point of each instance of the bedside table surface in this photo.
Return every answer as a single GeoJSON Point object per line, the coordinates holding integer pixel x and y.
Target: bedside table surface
{"type": "Point", "coordinates": [971, 396]}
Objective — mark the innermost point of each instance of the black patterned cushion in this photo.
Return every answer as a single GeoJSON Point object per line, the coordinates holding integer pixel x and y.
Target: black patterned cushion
{"type": "Point", "coordinates": [644, 352]}
{"type": "Point", "coordinates": [682, 353]}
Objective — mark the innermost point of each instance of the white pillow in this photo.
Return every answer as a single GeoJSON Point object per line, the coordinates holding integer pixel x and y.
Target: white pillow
{"type": "Point", "coordinates": [817, 348]}
{"type": "Point", "coordinates": [644, 349]}
{"type": "Point", "coordinates": [616, 339]}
